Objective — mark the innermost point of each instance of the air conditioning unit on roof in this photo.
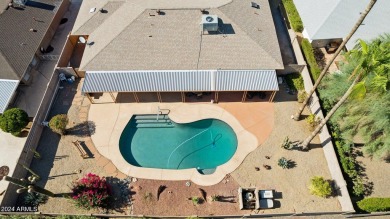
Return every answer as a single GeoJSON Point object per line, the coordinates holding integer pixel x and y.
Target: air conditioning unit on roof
{"type": "Point", "coordinates": [20, 2]}
{"type": "Point", "coordinates": [210, 22]}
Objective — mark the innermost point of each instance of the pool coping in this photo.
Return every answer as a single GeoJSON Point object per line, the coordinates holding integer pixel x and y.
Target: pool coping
{"type": "Point", "coordinates": [108, 129]}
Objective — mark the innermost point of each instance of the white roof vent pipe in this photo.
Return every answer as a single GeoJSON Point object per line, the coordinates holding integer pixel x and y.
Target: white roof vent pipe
{"type": "Point", "coordinates": [210, 23]}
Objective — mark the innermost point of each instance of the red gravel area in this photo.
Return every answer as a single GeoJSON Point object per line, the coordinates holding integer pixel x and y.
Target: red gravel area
{"type": "Point", "coordinates": [174, 200]}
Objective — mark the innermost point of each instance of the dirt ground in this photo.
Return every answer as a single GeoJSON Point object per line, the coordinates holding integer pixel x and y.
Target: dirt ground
{"type": "Point", "coordinates": [174, 200]}
{"type": "Point", "coordinates": [377, 175]}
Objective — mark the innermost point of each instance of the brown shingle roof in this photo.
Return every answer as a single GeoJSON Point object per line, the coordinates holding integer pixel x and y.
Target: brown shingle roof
{"type": "Point", "coordinates": [173, 41]}
{"type": "Point", "coordinates": [17, 43]}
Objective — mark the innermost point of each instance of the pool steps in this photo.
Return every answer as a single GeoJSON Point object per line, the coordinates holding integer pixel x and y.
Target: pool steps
{"type": "Point", "coordinates": [150, 121]}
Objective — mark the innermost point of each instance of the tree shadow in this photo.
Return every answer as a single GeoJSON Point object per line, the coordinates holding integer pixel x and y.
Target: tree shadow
{"type": "Point", "coordinates": [64, 174]}
{"type": "Point", "coordinates": [121, 193]}
{"type": "Point", "coordinates": [230, 199]}
{"type": "Point", "coordinates": [83, 129]}
{"type": "Point", "coordinates": [60, 157]}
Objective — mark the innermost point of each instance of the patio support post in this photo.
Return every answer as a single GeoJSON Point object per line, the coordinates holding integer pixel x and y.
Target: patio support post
{"type": "Point", "coordinates": [244, 96]}
{"type": "Point", "coordinates": [183, 97]}
{"type": "Point", "coordinates": [136, 97]}
{"type": "Point", "coordinates": [112, 96]}
{"type": "Point", "coordinates": [89, 98]}
{"type": "Point", "coordinates": [159, 97]}
{"type": "Point", "coordinates": [216, 97]}
{"type": "Point", "coordinates": [117, 97]}
{"type": "Point", "coordinates": [271, 98]}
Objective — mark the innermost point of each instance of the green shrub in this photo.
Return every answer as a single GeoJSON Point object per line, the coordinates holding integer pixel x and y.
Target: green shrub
{"type": "Point", "coordinates": [287, 144]}
{"type": "Point", "coordinates": [293, 15]}
{"type": "Point", "coordinates": [308, 51]}
{"type": "Point", "coordinates": [13, 121]}
{"type": "Point", "coordinates": [195, 200]}
{"type": "Point", "coordinates": [358, 187]}
{"type": "Point", "coordinates": [313, 121]}
{"type": "Point", "coordinates": [301, 96]}
{"type": "Point", "coordinates": [295, 81]}
{"type": "Point", "coordinates": [58, 123]}
{"type": "Point", "coordinates": [215, 198]}
{"type": "Point", "coordinates": [320, 187]}
{"type": "Point", "coordinates": [34, 199]}
{"type": "Point", "coordinates": [374, 204]}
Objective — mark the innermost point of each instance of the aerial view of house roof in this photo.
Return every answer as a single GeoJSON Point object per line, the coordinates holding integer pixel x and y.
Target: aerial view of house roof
{"type": "Point", "coordinates": [335, 18]}
{"type": "Point", "coordinates": [22, 29]}
{"type": "Point", "coordinates": [132, 35]}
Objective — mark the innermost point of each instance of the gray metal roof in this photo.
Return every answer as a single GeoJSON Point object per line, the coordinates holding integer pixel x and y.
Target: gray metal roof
{"type": "Point", "coordinates": [334, 19]}
{"type": "Point", "coordinates": [233, 80]}
{"type": "Point", "coordinates": [7, 89]}
{"type": "Point", "coordinates": [186, 80]}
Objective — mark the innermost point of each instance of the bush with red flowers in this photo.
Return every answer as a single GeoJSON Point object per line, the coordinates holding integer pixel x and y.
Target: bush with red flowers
{"type": "Point", "coordinates": [91, 191]}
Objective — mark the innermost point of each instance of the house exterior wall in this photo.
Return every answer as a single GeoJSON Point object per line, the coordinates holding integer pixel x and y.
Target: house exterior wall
{"type": "Point", "coordinates": [54, 24]}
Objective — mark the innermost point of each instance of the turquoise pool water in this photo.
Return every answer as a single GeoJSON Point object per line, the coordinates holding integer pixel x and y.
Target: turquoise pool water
{"type": "Point", "coordinates": [164, 144]}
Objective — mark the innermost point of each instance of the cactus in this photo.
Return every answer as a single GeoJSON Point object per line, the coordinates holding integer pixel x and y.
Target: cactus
{"type": "Point", "coordinates": [28, 185]}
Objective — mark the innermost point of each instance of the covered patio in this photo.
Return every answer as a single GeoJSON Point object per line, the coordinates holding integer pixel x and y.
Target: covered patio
{"type": "Point", "coordinates": [180, 86]}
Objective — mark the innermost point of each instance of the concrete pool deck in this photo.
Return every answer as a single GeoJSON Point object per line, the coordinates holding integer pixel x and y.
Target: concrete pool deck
{"type": "Point", "coordinates": [252, 122]}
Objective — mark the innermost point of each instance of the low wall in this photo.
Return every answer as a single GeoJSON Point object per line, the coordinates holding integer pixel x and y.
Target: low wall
{"type": "Point", "coordinates": [329, 152]}
{"type": "Point", "coordinates": [10, 196]}
{"type": "Point", "coordinates": [301, 63]}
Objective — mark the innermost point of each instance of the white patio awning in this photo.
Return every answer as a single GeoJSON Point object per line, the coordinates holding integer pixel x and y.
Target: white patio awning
{"type": "Point", "coordinates": [7, 90]}
{"type": "Point", "coordinates": [183, 80]}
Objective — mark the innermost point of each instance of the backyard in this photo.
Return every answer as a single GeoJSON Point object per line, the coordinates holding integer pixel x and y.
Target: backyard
{"type": "Point", "coordinates": [61, 164]}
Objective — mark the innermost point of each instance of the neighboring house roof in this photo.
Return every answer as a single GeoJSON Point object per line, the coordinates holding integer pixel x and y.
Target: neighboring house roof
{"type": "Point", "coordinates": [7, 88]}
{"type": "Point", "coordinates": [17, 43]}
{"type": "Point", "coordinates": [191, 80]}
{"type": "Point", "coordinates": [128, 38]}
{"type": "Point", "coordinates": [334, 19]}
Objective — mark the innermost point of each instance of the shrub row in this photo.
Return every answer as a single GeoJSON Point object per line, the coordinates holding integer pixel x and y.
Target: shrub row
{"type": "Point", "coordinates": [293, 15]}
{"type": "Point", "coordinates": [348, 163]}
{"type": "Point", "coordinates": [307, 49]}
{"type": "Point", "coordinates": [374, 204]}
{"type": "Point", "coordinates": [295, 81]}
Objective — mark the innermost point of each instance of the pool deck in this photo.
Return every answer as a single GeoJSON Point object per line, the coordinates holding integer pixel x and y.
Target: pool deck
{"type": "Point", "coordinates": [252, 122]}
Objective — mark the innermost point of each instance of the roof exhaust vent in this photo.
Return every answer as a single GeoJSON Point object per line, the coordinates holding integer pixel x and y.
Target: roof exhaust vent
{"type": "Point", "coordinates": [210, 23]}
{"type": "Point", "coordinates": [255, 5]}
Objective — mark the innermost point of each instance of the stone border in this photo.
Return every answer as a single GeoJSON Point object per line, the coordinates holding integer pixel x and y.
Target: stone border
{"type": "Point", "coordinates": [108, 132]}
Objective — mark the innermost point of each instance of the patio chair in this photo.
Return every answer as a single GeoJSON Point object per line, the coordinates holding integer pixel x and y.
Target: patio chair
{"type": "Point", "coordinates": [266, 203]}
{"type": "Point", "coordinates": [264, 194]}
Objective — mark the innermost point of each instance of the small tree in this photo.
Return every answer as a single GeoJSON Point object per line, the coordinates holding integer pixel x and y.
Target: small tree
{"type": "Point", "coordinates": [13, 121]}
{"type": "Point", "coordinates": [320, 187]}
{"type": "Point", "coordinates": [91, 191]}
{"type": "Point", "coordinates": [58, 123]}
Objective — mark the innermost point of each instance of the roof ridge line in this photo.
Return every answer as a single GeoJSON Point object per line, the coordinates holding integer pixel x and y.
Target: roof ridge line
{"type": "Point", "coordinates": [246, 33]}
{"type": "Point", "coordinates": [11, 66]}
{"type": "Point", "coordinates": [92, 58]}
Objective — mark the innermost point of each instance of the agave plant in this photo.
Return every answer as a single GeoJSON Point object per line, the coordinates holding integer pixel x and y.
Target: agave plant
{"type": "Point", "coordinates": [287, 144]}
{"type": "Point", "coordinates": [34, 199]}
{"type": "Point", "coordinates": [283, 163]}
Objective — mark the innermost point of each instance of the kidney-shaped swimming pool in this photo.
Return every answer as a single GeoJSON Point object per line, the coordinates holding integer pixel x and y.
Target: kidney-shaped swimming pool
{"type": "Point", "coordinates": [157, 142]}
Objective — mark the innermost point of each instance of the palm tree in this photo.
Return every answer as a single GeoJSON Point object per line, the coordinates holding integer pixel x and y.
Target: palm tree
{"type": "Point", "coordinates": [298, 114]}
{"type": "Point", "coordinates": [372, 71]}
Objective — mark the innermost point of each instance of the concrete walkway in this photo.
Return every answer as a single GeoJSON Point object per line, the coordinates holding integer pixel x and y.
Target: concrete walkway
{"type": "Point", "coordinates": [109, 129]}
